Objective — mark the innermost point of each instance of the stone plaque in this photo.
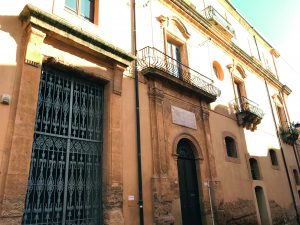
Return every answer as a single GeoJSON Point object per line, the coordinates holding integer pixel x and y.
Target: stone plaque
{"type": "Point", "coordinates": [183, 117]}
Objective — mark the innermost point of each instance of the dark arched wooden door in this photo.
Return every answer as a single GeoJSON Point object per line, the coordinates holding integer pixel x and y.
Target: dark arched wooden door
{"type": "Point", "coordinates": [188, 184]}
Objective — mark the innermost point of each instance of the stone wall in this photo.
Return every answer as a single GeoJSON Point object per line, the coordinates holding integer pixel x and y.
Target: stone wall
{"type": "Point", "coordinates": [240, 212]}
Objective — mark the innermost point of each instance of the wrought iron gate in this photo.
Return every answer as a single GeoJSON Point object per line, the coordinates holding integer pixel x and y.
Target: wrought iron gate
{"type": "Point", "coordinates": [64, 185]}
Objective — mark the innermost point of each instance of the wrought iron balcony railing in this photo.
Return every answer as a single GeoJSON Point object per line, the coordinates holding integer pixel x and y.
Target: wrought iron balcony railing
{"type": "Point", "coordinates": [248, 113]}
{"type": "Point", "coordinates": [244, 104]}
{"type": "Point", "coordinates": [150, 57]}
{"type": "Point", "coordinates": [289, 133]}
{"type": "Point", "coordinates": [211, 14]}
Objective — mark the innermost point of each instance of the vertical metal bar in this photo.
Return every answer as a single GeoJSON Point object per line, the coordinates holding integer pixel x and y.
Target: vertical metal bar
{"type": "Point", "coordinates": [137, 110]}
{"type": "Point", "coordinates": [210, 202]}
{"type": "Point", "coordinates": [282, 154]}
{"type": "Point", "coordinates": [257, 48]}
{"type": "Point", "coordinates": [67, 155]}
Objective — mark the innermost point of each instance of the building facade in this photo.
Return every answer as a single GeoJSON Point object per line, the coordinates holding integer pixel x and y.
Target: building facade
{"type": "Point", "coordinates": [153, 112]}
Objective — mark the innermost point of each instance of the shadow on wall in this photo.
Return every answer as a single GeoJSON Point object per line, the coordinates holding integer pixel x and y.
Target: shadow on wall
{"type": "Point", "coordinates": [225, 110]}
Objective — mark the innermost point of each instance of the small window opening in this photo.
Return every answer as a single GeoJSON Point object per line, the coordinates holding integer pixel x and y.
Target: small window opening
{"type": "Point", "coordinates": [273, 158]}
{"type": "Point", "coordinates": [296, 177]}
{"type": "Point", "coordinates": [254, 169]}
{"type": "Point", "coordinates": [230, 147]}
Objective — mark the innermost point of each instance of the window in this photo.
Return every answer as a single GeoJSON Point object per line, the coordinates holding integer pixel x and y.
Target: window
{"type": "Point", "coordinates": [230, 147]}
{"type": "Point", "coordinates": [218, 70]}
{"type": "Point", "coordinates": [83, 8]}
{"type": "Point", "coordinates": [254, 169]}
{"type": "Point", "coordinates": [174, 51]}
{"type": "Point", "coordinates": [273, 158]}
{"type": "Point", "coordinates": [281, 116]}
{"type": "Point", "coordinates": [296, 177]}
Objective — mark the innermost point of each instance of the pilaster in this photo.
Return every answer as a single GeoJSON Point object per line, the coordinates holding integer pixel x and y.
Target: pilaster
{"type": "Point", "coordinates": [113, 193]}
{"type": "Point", "coordinates": [161, 184]}
{"type": "Point", "coordinates": [19, 146]}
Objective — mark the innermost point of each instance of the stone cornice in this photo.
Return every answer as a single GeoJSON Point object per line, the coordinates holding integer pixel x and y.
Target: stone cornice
{"type": "Point", "coordinates": [199, 21]}
{"type": "Point", "coordinates": [53, 25]}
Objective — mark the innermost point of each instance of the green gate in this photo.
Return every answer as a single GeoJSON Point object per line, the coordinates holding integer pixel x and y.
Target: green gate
{"type": "Point", "coordinates": [64, 185]}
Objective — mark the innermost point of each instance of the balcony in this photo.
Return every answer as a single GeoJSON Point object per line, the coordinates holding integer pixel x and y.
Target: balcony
{"type": "Point", "coordinates": [217, 20]}
{"type": "Point", "coordinates": [248, 113]}
{"type": "Point", "coordinates": [153, 62]}
{"type": "Point", "coordinates": [289, 134]}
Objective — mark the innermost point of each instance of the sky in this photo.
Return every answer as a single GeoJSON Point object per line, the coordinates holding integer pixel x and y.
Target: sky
{"type": "Point", "coordinates": [278, 21]}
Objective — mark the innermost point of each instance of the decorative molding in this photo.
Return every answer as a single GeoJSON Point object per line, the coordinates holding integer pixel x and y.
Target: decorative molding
{"type": "Point", "coordinates": [198, 20]}
{"type": "Point", "coordinates": [195, 146]}
{"type": "Point", "coordinates": [55, 26]}
{"type": "Point", "coordinates": [33, 55]}
{"type": "Point", "coordinates": [156, 93]}
{"type": "Point", "coordinates": [204, 110]}
{"type": "Point", "coordinates": [165, 21]}
{"type": "Point", "coordinates": [118, 79]}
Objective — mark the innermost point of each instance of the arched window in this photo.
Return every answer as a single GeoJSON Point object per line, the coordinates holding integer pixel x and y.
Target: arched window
{"type": "Point", "coordinates": [296, 177]}
{"type": "Point", "coordinates": [254, 169]}
{"type": "Point", "coordinates": [218, 70]}
{"type": "Point", "coordinates": [273, 157]}
{"type": "Point", "coordinates": [230, 147]}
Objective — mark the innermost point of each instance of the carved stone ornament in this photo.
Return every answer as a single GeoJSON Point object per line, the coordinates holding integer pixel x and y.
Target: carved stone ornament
{"type": "Point", "coordinates": [204, 111]}
{"type": "Point", "coordinates": [156, 93]}
{"type": "Point", "coordinates": [33, 55]}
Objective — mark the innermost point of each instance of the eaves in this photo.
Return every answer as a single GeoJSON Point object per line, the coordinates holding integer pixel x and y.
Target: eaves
{"type": "Point", "coordinates": [55, 26]}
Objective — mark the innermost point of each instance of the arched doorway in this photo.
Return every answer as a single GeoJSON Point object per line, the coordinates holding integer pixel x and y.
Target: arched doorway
{"type": "Point", "coordinates": [262, 206]}
{"type": "Point", "coordinates": [188, 184]}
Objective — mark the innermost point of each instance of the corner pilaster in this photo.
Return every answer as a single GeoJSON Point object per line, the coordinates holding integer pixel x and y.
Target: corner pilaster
{"type": "Point", "coordinates": [18, 147]}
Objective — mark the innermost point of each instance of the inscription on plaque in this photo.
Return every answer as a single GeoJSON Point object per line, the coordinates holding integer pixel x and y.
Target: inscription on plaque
{"type": "Point", "coordinates": [183, 117]}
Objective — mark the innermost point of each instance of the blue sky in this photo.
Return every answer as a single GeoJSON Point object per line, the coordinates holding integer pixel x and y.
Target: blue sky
{"type": "Point", "coordinates": [278, 21]}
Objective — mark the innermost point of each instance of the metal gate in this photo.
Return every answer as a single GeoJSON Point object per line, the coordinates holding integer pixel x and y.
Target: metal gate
{"type": "Point", "coordinates": [188, 184]}
{"type": "Point", "coordinates": [64, 185]}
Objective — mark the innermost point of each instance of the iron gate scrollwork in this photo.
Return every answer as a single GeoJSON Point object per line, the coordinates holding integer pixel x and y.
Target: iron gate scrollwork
{"type": "Point", "coordinates": [64, 185]}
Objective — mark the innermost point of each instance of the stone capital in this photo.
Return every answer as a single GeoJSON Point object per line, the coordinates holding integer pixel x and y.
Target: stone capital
{"type": "Point", "coordinates": [164, 21]}
{"type": "Point", "coordinates": [118, 78]}
{"type": "Point", "coordinates": [156, 93]}
{"type": "Point", "coordinates": [33, 54]}
{"type": "Point", "coordinates": [204, 110]}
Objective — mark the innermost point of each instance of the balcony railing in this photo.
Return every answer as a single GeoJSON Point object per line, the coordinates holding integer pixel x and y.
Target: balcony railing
{"type": "Point", "coordinates": [248, 113]}
{"type": "Point", "coordinates": [243, 104]}
{"type": "Point", "coordinates": [211, 14]}
{"type": "Point", "coordinates": [150, 57]}
{"type": "Point", "coordinates": [289, 133]}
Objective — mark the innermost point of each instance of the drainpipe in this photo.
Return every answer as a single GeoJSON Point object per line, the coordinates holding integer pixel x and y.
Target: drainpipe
{"type": "Point", "coordinates": [137, 110]}
{"type": "Point", "coordinates": [282, 153]}
{"type": "Point", "coordinates": [257, 47]}
{"type": "Point", "coordinates": [297, 160]}
{"type": "Point", "coordinates": [210, 202]}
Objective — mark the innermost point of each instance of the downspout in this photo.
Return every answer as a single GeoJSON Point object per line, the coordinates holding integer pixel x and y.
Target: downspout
{"type": "Point", "coordinates": [282, 153]}
{"type": "Point", "coordinates": [280, 143]}
{"type": "Point", "coordinates": [257, 48]}
{"type": "Point", "coordinates": [297, 160]}
{"type": "Point", "coordinates": [287, 114]}
{"type": "Point", "coordinates": [137, 110]}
